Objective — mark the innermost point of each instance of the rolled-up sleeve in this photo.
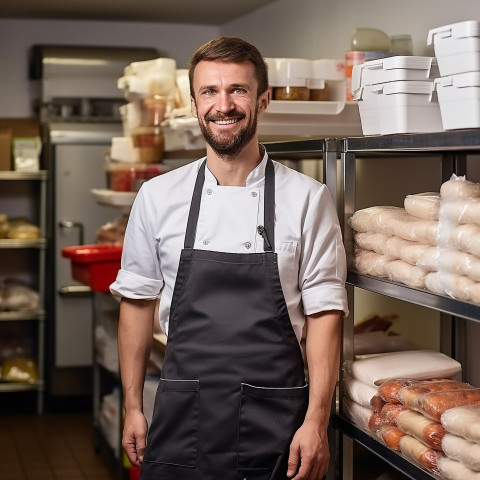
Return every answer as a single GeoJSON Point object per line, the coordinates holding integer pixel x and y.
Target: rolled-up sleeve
{"type": "Point", "coordinates": [140, 274]}
{"type": "Point", "coordinates": [323, 271]}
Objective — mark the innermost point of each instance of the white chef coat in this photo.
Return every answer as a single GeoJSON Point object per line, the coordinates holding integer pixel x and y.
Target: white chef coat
{"type": "Point", "coordinates": [308, 240]}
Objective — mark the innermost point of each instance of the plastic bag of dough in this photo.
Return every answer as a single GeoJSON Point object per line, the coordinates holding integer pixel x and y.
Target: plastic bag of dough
{"type": "Point", "coordinates": [453, 470]}
{"type": "Point", "coordinates": [452, 261]}
{"type": "Point", "coordinates": [410, 395]}
{"type": "Point", "coordinates": [402, 272]}
{"type": "Point", "coordinates": [370, 241]}
{"type": "Point", "coordinates": [363, 417]}
{"type": "Point", "coordinates": [414, 364]}
{"type": "Point", "coordinates": [424, 456]}
{"type": "Point", "coordinates": [406, 250]}
{"type": "Point", "coordinates": [363, 394]}
{"type": "Point", "coordinates": [19, 370]}
{"type": "Point", "coordinates": [463, 237]}
{"type": "Point", "coordinates": [375, 219]}
{"type": "Point", "coordinates": [434, 404]}
{"type": "Point", "coordinates": [17, 297]}
{"type": "Point", "coordinates": [390, 435]}
{"type": "Point", "coordinates": [22, 229]}
{"type": "Point", "coordinates": [414, 229]}
{"type": "Point", "coordinates": [474, 293]}
{"type": "Point", "coordinates": [422, 428]}
{"type": "Point", "coordinates": [459, 187]}
{"type": "Point", "coordinates": [461, 211]}
{"type": "Point", "coordinates": [423, 205]}
{"type": "Point", "coordinates": [379, 342]}
{"type": "Point", "coordinates": [450, 284]}
{"type": "Point", "coordinates": [370, 263]}
{"type": "Point", "coordinates": [463, 421]}
{"type": "Point", "coordinates": [464, 451]}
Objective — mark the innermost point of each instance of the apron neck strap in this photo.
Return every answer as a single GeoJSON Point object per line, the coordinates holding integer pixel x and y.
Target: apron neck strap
{"type": "Point", "coordinates": [269, 207]}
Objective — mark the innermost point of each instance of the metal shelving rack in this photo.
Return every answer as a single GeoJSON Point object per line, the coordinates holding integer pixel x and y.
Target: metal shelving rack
{"type": "Point", "coordinates": [453, 148]}
{"type": "Point", "coordinates": [39, 315]}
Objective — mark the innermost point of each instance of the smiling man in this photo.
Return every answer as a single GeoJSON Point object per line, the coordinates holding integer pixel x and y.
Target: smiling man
{"type": "Point", "coordinates": [244, 254]}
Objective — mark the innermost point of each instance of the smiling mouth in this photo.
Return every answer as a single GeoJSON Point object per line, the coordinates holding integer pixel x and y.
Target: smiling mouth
{"type": "Point", "coordinates": [225, 121]}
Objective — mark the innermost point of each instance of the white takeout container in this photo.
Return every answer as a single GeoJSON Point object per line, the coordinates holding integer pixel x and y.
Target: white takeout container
{"type": "Point", "coordinates": [459, 100]}
{"type": "Point", "coordinates": [457, 47]}
{"type": "Point", "coordinates": [392, 69]}
{"type": "Point", "coordinates": [399, 107]}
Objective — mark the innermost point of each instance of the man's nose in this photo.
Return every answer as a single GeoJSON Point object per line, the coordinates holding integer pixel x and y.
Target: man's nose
{"type": "Point", "coordinates": [224, 102]}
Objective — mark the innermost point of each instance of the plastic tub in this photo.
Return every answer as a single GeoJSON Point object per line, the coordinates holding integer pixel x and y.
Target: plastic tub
{"type": "Point", "coordinates": [94, 265]}
{"type": "Point", "coordinates": [457, 47]}
{"type": "Point", "coordinates": [289, 79]}
{"type": "Point", "coordinates": [392, 69]}
{"type": "Point", "coordinates": [150, 142]}
{"type": "Point", "coordinates": [459, 100]}
{"type": "Point", "coordinates": [327, 82]}
{"type": "Point", "coordinates": [399, 107]}
{"type": "Point", "coordinates": [124, 177]}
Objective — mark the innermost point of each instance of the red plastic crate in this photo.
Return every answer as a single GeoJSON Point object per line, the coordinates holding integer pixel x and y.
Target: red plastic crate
{"type": "Point", "coordinates": [94, 265]}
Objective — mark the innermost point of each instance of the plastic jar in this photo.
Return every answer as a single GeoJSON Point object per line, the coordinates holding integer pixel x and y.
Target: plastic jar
{"type": "Point", "coordinates": [328, 80]}
{"type": "Point", "coordinates": [402, 44]}
{"type": "Point", "coordinates": [289, 80]}
{"type": "Point", "coordinates": [370, 39]}
{"type": "Point", "coordinates": [150, 143]}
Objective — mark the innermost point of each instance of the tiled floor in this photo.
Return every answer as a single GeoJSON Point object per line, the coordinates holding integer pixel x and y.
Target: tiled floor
{"type": "Point", "coordinates": [50, 447]}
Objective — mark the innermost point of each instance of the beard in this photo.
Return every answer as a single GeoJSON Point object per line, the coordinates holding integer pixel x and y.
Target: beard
{"type": "Point", "coordinates": [226, 145]}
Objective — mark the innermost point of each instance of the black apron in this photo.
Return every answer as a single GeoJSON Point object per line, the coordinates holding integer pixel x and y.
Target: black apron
{"type": "Point", "coordinates": [232, 392]}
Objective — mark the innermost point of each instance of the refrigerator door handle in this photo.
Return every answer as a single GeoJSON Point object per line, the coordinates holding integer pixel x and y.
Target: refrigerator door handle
{"type": "Point", "coordinates": [75, 291]}
{"type": "Point", "coordinates": [70, 224]}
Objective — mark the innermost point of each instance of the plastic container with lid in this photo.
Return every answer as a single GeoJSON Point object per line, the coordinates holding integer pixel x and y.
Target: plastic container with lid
{"type": "Point", "coordinates": [289, 78]}
{"type": "Point", "coordinates": [327, 82]}
{"type": "Point", "coordinates": [391, 69]}
{"type": "Point", "coordinates": [150, 143]}
{"type": "Point", "coordinates": [459, 100]}
{"type": "Point", "coordinates": [402, 44]}
{"type": "Point", "coordinates": [123, 177]}
{"type": "Point", "coordinates": [457, 47]}
{"type": "Point", "coordinates": [370, 39]}
{"type": "Point", "coordinates": [399, 107]}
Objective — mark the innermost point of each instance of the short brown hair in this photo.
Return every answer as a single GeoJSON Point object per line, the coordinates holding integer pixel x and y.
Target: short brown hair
{"type": "Point", "coordinates": [231, 49]}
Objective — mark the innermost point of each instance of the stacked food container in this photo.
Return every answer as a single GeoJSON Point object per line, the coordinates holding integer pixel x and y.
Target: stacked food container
{"type": "Point", "coordinates": [396, 95]}
{"type": "Point", "coordinates": [457, 49]}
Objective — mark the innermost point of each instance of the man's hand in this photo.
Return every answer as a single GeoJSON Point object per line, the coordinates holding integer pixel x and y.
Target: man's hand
{"type": "Point", "coordinates": [309, 453]}
{"type": "Point", "coordinates": [134, 436]}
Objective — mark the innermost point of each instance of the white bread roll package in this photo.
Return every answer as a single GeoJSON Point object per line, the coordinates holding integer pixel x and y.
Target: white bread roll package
{"type": "Point", "coordinates": [432, 242]}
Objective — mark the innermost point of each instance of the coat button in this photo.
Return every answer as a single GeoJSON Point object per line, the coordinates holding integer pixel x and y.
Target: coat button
{"type": "Point", "coordinates": [248, 244]}
{"type": "Point", "coordinates": [209, 191]}
{"type": "Point", "coordinates": [206, 242]}
{"type": "Point", "coordinates": [254, 194]}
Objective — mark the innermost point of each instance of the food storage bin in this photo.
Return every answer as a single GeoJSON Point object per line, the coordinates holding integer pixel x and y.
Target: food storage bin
{"type": "Point", "coordinates": [289, 78]}
{"type": "Point", "coordinates": [459, 100]}
{"type": "Point", "coordinates": [94, 265]}
{"type": "Point", "coordinates": [457, 47]}
{"type": "Point", "coordinates": [392, 69]}
{"type": "Point", "coordinates": [399, 107]}
{"type": "Point", "coordinates": [128, 177]}
{"type": "Point", "coordinates": [150, 142]}
{"type": "Point", "coordinates": [327, 82]}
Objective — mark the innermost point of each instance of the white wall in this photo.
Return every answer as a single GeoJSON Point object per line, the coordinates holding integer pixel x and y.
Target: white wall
{"type": "Point", "coordinates": [17, 36]}
{"type": "Point", "coordinates": [322, 28]}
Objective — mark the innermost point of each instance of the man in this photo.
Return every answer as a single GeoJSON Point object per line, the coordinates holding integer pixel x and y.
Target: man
{"type": "Point", "coordinates": [242, 252]}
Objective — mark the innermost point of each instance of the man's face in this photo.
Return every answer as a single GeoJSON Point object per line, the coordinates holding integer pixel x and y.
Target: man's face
{"type": "Point", "coordinates": [226, 104]}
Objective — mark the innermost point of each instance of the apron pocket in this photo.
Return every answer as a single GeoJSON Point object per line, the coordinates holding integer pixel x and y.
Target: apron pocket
{"type": "Point", "coordinates": [269, 417]}
{"type": "Point", "coordinates": [173, 434]}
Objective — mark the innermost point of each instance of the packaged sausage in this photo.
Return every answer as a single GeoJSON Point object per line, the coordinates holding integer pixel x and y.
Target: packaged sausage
{"type": "Point", "coordinates": [364, 417]}
{"type": "Point", "coordinates": [463, 421]}
{"type": "Point", "coordinates": [434, 404]}
{"type": "Point", "coordinates": [410, 395]}
{"type": "Point", "coordinates": [422, 428]}
{"type": "Point", "coordinates": [462, 450]}
{"type": "Point", "coordinates": [390, 411]}
{"type": "Point", "coordinates": [424, 456]}
{"type": "Point", "coordinates": [389, 389]}
{"type": "Point", "coordinates": [453, 470]}
{"type": "Point", "coordinates": [390, 435]}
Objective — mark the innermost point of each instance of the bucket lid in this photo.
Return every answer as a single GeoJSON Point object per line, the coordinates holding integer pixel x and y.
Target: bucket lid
{"type": "Point", "coordinates": [461, 80]}
{"type": "Point", "coordinates": [470, 28]}
{"type": "Point", "coordinates": [402, 61]}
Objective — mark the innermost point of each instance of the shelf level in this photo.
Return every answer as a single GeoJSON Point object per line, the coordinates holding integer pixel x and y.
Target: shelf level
{"type": "Point", "coordinates": [27, 243]}
{"type": "Point", "coordinates": [14, 175]}
{"type": "Point", "coordinates": [420, 297]}
{"type": "Point", "coordinates": [38, 315]}
{"type": "Point", "coordinates": [21, 386]}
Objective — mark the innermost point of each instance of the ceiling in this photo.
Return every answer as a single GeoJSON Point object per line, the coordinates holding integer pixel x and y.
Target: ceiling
{"type": "Point", "coordinates": [204, 12]}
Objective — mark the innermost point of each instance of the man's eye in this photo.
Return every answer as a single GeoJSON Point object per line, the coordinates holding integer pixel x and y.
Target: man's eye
{"type": "Point", "coordinates": [238, 90]}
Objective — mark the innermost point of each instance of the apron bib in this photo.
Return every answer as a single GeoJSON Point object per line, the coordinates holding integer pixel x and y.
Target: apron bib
{"type": "Point", "coordinates": [232, 392]}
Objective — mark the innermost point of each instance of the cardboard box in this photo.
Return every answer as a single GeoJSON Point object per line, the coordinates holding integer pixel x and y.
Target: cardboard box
{"type": "Point", "coordinates": [11, 128]}
{"type": "Point", "coordinates": [5, 149]}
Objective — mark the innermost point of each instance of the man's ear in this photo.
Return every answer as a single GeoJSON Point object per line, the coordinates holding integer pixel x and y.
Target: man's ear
{"type": "Point", "coordinates": [193, 107]}
{"type": "Point", "coordinates": [264, 100]}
